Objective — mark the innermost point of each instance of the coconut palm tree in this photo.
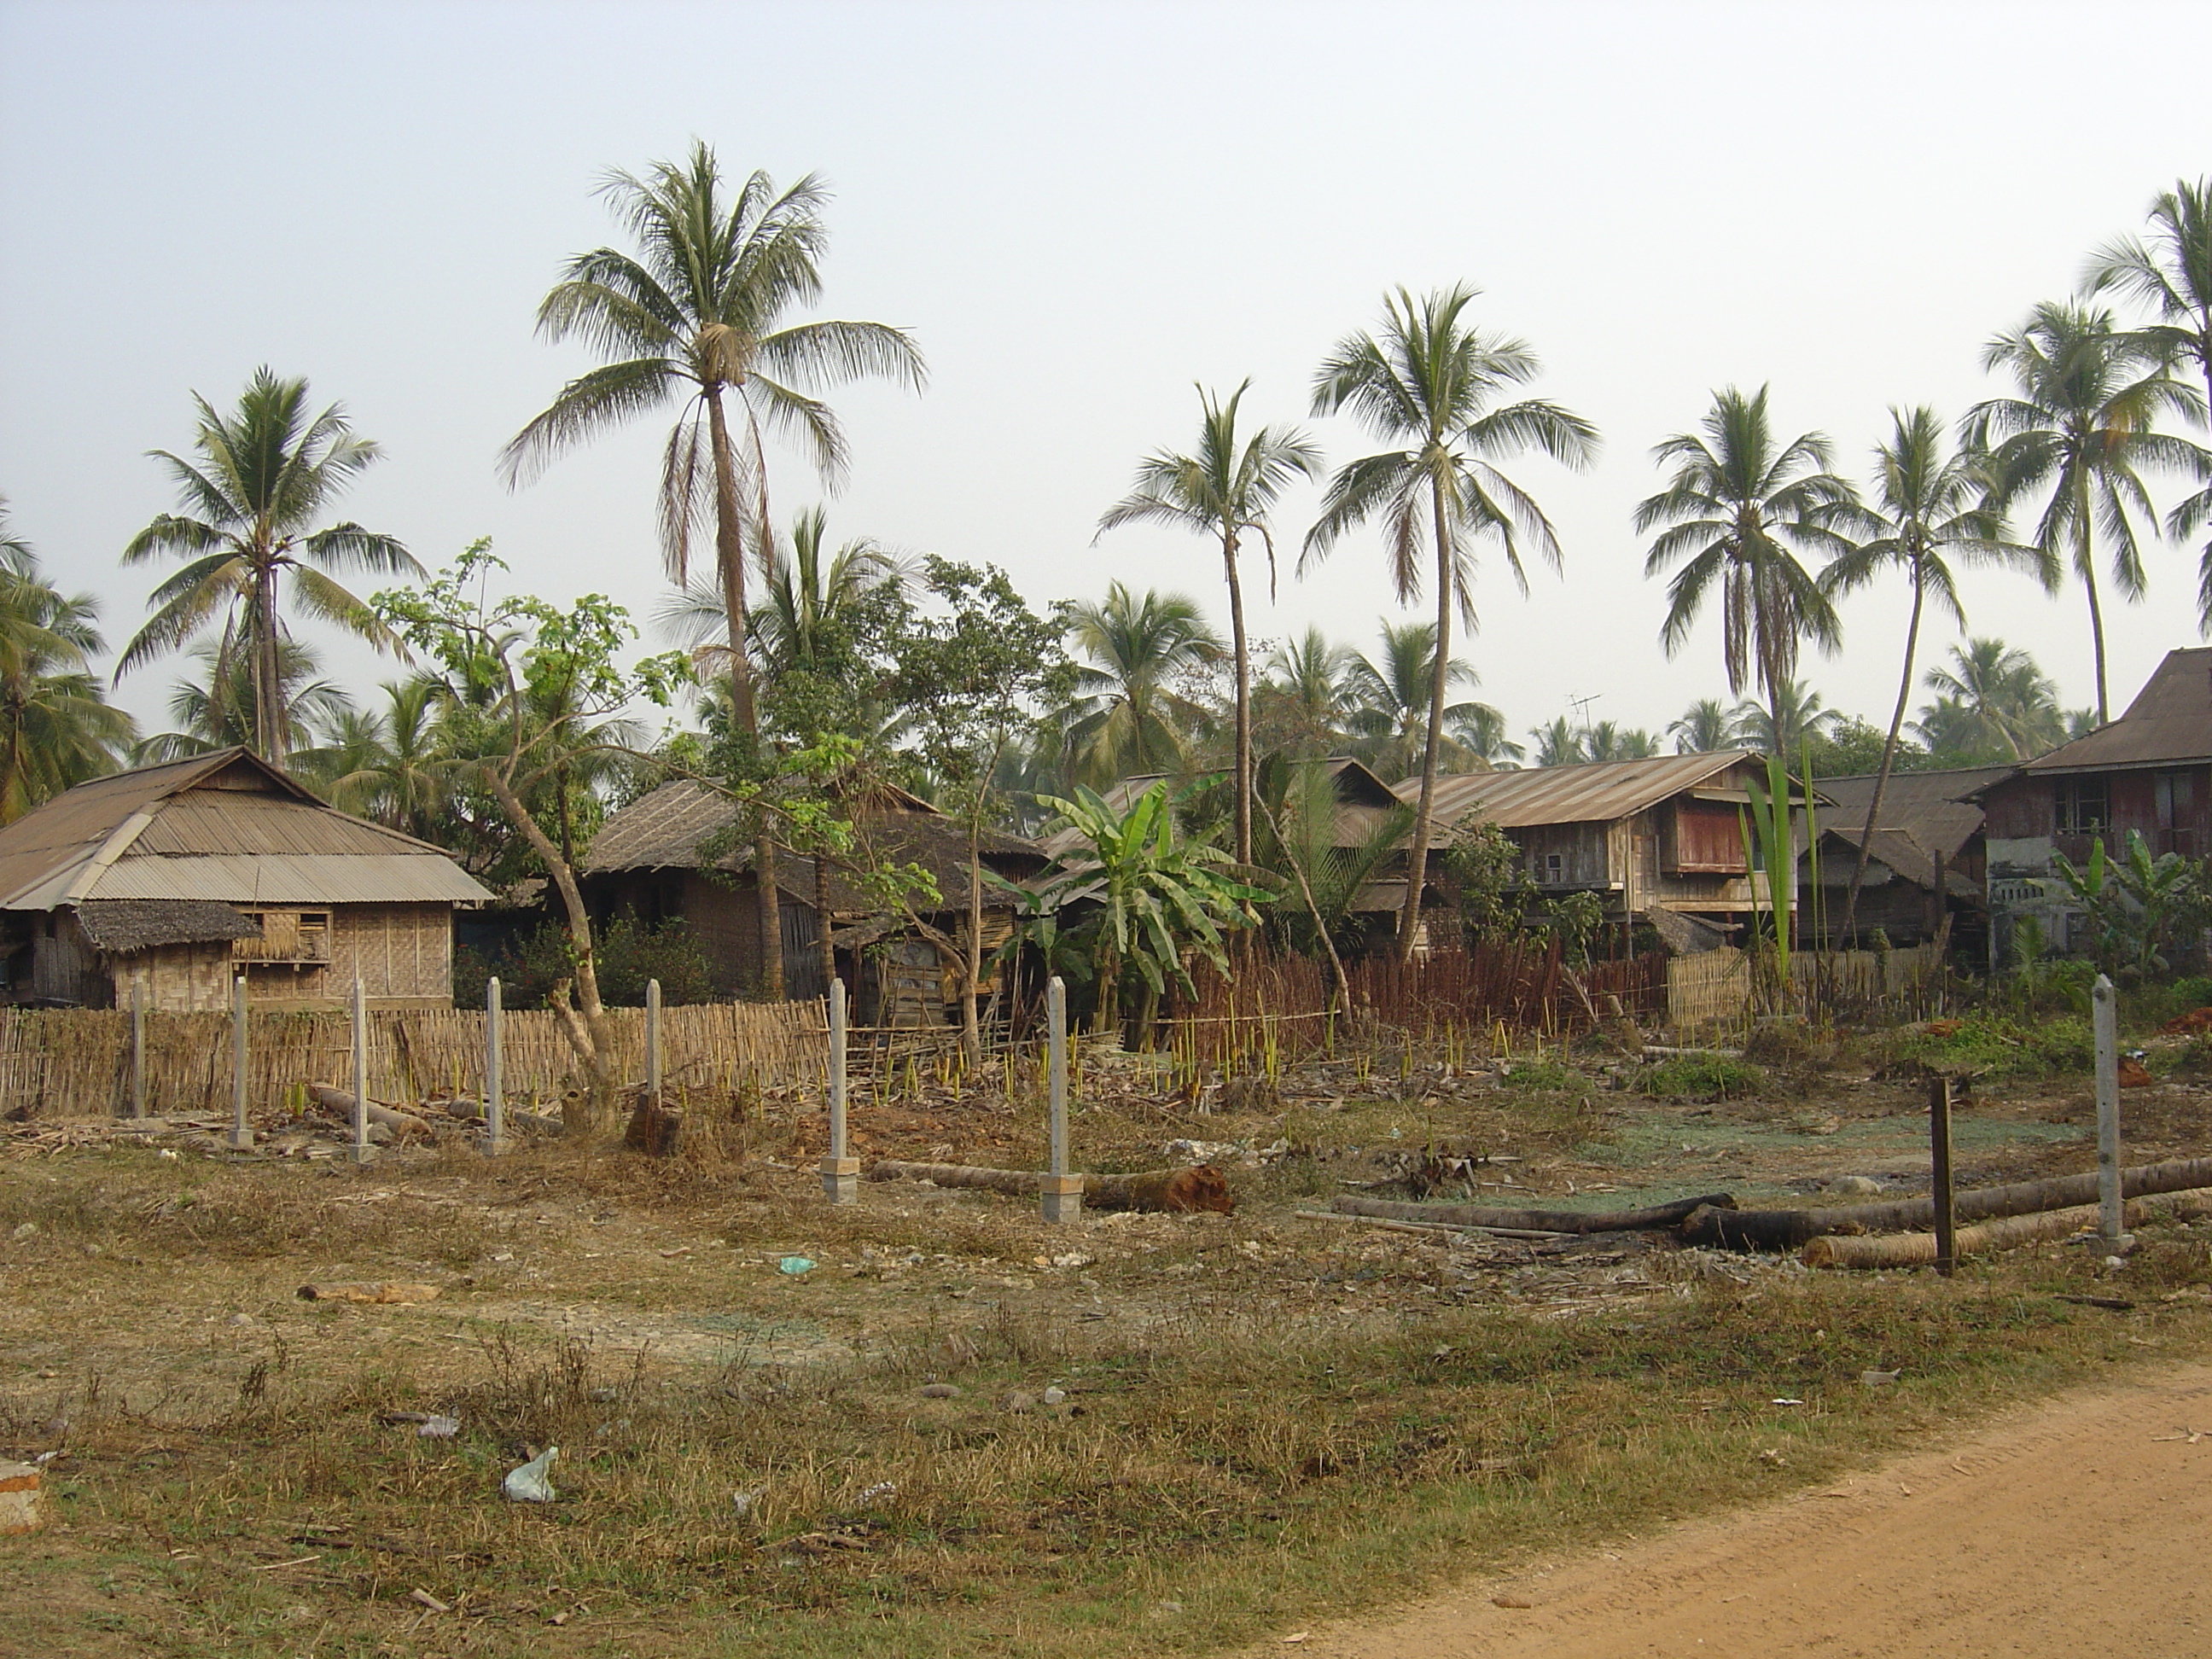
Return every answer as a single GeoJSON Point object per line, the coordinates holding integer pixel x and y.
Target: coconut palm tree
{"type": "Point", "coordinates": [1794, 716]}
{"type": "Point", "coordinates": [1703, 729]}
{"type": "Point", "coordinates": [1300, 702]}
{"type": "Point", "coordinates": [1479, 729]}
{"type": "Point", "coordinates": [1128, 720]}
{"type": "Point", "coordinates": [1387, 701]}
{"type": "Point", "coordinates": [2171, 274]}
{"type": "Point", "coordinates": [1433, 383]}
{"type": "Point", "coordinates": [1929, 507]}
{"type": "Point", "coordinates": [216, 708]}
{"type": "Point", "coordinates": [2082, 428]}
{"type": "Point", "coordinates": [1737, 511]}
{"type": "Point", "coordinates": [1225, 491]}
{"type": "Point", "coordinates": [1608, 740]}
{"type": "Point", "coordinates": [1992, 700]}
{"type": "Point", "coordinates": [700, 317]}
{"type": "Point", "coordinates": [1558, 743]}
{"type": "Point", "coordinates": [56, 729]}
{"type": "Point", "coordinates": [262, 477]}
{"type": "Point", "coordinates": [391, 766]}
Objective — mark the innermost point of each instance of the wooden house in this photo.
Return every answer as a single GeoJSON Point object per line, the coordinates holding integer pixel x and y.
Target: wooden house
{"type": "Point", "coordinates": [1660, 841]}
{"type": "Point", "coordinates": [174, 879]}
{"type": "Point", "coordinates": [1930, 827]}
{"type": "Point", "coordinates": [670, 855]}
{"type": "Point", "coordinates": [2149, 772]}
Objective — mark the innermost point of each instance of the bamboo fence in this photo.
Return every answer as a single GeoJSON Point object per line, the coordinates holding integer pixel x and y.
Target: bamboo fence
{"type": "Point", "coordinates": [76, 1062]}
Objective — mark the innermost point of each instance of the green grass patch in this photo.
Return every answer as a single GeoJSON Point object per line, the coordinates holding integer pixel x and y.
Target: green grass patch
{"type": "Point", "coordinates": [1702, 1077]}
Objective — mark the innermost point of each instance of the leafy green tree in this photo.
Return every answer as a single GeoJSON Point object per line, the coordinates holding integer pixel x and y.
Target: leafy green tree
{"type": "Point", "coordinates": [973, 671]}
{"type": "Point", "coordinates": [2171, 273]}
{"type": "Point", "coordinates": [264, 475]}
{"type": "Point", "coordinates": [1161, 898]}
{"type": "Point", "coordinates": [1387, 698]}
{"type": "Point", "coordinates": [2133, 902]}
{"type": "Point", "coordinates": [1704, 728]}
{"type": "Point", "coordinates": [2082, 430]}
{"type": "Point", "coordinates": [1849, 747]}
{"type": "Point", "coordinates": [1126, 718]}
{"type": "Point", "coordinates": [1432, 383]}
{"type": "Point", "coordinates": [1225, 490]}
{"type": "Point", "coordinates": [701, 316]}
{"type": "Point", "coordinates": [1737, 511]}
{"type": "Point", "coordinates": [522, 677]}
{"type": "Point", "coordinates": [1928, 506]}
{"type": "Point", "coordinates": [56, 729]}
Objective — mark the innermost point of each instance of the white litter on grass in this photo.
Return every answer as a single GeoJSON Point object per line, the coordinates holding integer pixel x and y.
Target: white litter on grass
{"type": "Point", "coordinates": [439, 1428]}
{"type": "Point", "coordinates": [878, 1492]}
{"type": "Point", "coordinates": [528, 1483]}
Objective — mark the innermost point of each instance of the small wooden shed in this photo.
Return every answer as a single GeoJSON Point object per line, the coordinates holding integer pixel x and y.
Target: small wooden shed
{"type": "Point", "coordinates": [176, 877]}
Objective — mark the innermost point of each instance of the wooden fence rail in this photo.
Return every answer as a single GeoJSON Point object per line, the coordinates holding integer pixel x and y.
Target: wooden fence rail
{"type": "Point", "coordinates": [76, 1062]}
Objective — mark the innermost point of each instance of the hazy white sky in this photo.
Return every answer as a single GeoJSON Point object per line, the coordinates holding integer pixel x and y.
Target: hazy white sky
{"type": "Point", "coordinates": [1078, 210]}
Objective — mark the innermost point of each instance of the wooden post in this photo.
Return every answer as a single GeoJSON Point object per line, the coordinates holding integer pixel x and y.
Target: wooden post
{"type": "Point", "coordinates": [2111, 1223]}
{"type": "Point", "coordinates": [653, 1041]}
{"type": "Point", "coordinates": [242, 1131]}
{"type": "Point", "coordinates": [1940, 1094]}
{"type": "Point", "coordinates": [494, 1093]}
{"type": "Point", "coordinates": [138, 1048]}
{"type": "Point", "coordinates": [841, 1171]}
{"type": "Point", "coordinates": [362, 1152]}
{"type": "Point", "coordinates": [1063, 1192]}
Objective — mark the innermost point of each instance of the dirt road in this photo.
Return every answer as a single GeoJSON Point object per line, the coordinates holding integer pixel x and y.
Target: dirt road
{"type": "Point", "coordinates": [2078, 1527]}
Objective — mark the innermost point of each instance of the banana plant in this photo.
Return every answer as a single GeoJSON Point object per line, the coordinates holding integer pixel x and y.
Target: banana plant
{"type": "Point", "coordinates": [1160, 899]}
{"type": "Point", "coordinates": [2132, 901]}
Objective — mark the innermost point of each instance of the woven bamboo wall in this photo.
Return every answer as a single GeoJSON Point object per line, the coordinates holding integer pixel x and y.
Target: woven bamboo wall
{"type": "Point", "coordinates": [76, 1062]}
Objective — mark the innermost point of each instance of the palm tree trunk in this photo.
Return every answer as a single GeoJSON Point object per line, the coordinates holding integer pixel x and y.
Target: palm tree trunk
{"type": "Point", "coordinates": [971, 1033]}
{"type": "Point", "coordinates": [1244, 700]}
{"type": "Point", "coordinates": [730, 565]}
{"type": "Point", "coordinates": [268, 674]}
{"type": "Point", "coordinates": [826, 946]}
{"type": "Point", "coordinates": [2084, 561]}
{"type": "Point", "coordinates": [1888, 759]}
{"type": "Point", "coordinates": [1417, 855]}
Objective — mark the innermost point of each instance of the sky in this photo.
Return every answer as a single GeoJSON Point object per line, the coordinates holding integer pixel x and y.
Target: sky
{"type": "Point", "coordinates": [1080, 211]}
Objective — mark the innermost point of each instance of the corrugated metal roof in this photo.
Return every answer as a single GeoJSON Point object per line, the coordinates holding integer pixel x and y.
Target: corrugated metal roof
{"type": "Point", "coordinates": [2168, 724]}
{"type": "Point", "coordinates": [663, 830]}
{"type": "Point", "coordinates": [292, 878]}
{"type": "Point", "coordinates": [201, 826]}
{"type": "Point", "coordinates": [1597, 792]}
{"type": "Point", "coordinates": [1921, 815]}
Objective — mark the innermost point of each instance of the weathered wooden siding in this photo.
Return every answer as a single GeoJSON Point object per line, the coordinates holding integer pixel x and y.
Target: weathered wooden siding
{"type": "Point", "coordinates": [402, 953]}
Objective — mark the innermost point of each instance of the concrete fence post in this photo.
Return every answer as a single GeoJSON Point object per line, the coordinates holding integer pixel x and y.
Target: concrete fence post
{"type": "Point", "coordinates": [495, 1091]}
{"type": "Point", "coordinates": [840, 1171]}
{"type": "Point", "coordinates": [1063, 1192]}
{"type": "Point", "coordinates": [2112, 1221]}
{"type": "Point", "coordinates": [242, 1131]}
{"type": "Point", "coordinates": [362, 1152]}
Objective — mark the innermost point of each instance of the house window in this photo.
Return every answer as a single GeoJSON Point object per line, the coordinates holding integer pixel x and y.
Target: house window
{"type": "Point", "coordinates": [2085, 806]}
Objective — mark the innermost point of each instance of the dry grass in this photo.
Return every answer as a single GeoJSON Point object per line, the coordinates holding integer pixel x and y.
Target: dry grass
{"type": "Point", "coordinates": [1264, 1419]}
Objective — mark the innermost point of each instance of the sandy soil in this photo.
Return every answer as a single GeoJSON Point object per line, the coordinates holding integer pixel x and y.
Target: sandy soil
{"type": "Point", "coordinates": [2076, 1527]}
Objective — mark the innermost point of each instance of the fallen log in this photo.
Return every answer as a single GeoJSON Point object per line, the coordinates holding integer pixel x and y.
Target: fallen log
{"type": "Point", "coordinates": [1202, 1188]}
{"type": "Point", "coordinates": [511, 1117]}
{"type": "Point", "coordinates": [1460, 1230]}
{"type": "Point", "coordinates": [1792, 1229]}
{"type": "Point", "coordinates": [340, 1104]}
{"type": "Point", "coordinates": [2006, 1233]}
{"type": "Point", "coordinates": [368, 1291]}
{"type": "Point", "coordinates": [1199, 1188]}
{"type": "Point", "coordinates": [1542, 1221]}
